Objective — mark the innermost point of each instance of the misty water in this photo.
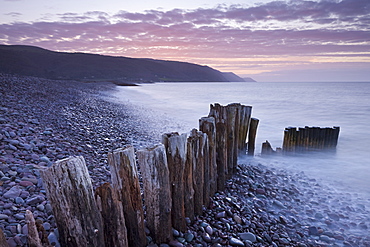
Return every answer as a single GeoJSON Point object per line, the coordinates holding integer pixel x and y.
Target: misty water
{"type": "Point", "coordinates": [178, 107]}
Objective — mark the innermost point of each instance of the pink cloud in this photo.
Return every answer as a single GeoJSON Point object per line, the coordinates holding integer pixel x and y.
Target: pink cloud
{"type": "Point", "coordinates": [325, 28]}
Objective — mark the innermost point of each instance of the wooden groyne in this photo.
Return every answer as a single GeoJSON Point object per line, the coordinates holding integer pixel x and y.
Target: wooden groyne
{"type": "Point", "coordinates": [298, 140]}
{"type": "Point", "coordinates": [180, 175]}
{"type": "Point", "coordinates": [303, 140]}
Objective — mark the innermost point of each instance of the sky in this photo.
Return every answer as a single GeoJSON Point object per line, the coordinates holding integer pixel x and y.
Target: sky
{"type": "Point", "coordinates": [297, 40]}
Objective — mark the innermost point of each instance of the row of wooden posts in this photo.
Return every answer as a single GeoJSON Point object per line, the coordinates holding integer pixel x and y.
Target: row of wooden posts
{"type": "Point", "coordinates": [307, 139]}
{"type": "Point", "coordinates": [310, 139]}
{"type": "Point", "coordinates": [179, 176]}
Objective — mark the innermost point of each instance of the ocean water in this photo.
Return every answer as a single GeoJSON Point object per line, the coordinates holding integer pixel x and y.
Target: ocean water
{"type": "Point", "coordinates": [178, 107]}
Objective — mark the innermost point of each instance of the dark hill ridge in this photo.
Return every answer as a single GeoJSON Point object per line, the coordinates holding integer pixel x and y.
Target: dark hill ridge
{"type": "Point", "coordinates": [39, 62]}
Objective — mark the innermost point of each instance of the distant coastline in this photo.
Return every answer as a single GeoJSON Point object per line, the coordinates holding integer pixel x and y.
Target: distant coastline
{"type": "Point", "coordinates": [38, 62]}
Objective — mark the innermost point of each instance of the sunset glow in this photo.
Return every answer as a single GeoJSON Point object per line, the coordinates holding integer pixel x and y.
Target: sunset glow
{"type": "Point", "coordinates": [277, 37]}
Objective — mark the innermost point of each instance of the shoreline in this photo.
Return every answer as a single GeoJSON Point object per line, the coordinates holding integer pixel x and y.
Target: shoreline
{"type": "Point", "coordinates": [43, 121]}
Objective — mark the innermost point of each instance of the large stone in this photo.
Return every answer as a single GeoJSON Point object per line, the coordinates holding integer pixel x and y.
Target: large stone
{"type": "Point", "coordinates": [236, 242]}
{"type": "Point", "coordinates": [14, 192]}
{"type": "Point", "coordinates": [4, 217]}
{"type": "Point", "coordinates": [248, 236]}
{"type": "Point", "coordinates": [35, 200]}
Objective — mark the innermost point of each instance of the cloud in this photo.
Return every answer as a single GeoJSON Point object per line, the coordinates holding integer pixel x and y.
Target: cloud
{"type": "Point", "coordinates": [276, 30]}
{"type": "Point", "coordinates": [14, 14]}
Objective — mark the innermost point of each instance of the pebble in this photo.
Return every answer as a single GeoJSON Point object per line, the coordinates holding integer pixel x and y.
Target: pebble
{"type": "Point", "coordinates": [14, 192]}
{"type": "Point", "coordinates": [236, 242]}
{"type": "Point", "coordinates": [189, 237]}
{"type": "Point", "coordinates": [237, 219]}
{"type": "Point", "coordinates": [35, 200]}
{"type": "Point", "coordinates": [53, 240]}
{"type": "Point", "coordinates": [25, 183]}
{"type": "Point", "coordinates": [209, 230]}
{"type": "Point", "coordinates": [19, 200]}
{"type": "Point", "coordinates": [312, 230]}
{"type": "Point", "coordinates": [221, 215]}
{"type": "Point", "coordinates": [175, 243]}
{"type": "Point", "coordinates": [4, 217]}
{"type": "Point", "coordinates": [40, 207]}
{"type": "Point", "coordinates": [248, 236]}
{"type": "Point", "coordinates": [19, 216]}
{"type": "Point", "coordinates": [206, 237]}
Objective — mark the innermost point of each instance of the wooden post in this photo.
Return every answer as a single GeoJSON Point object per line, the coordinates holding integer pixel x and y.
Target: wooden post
{"type": "Point", "coordinates": [267, 149]}
{"type": "Point", "coordinates": [199, 144]}
{"type": "Point", "coordinates": [189, 180]}
{"type": "Point", "coordinates": [244, 125]}
{"type": "Point", "coordinates": [309, 140]}
{"type": "Point", "coordinates": [207, 125]}
{"type": "Point", "coordinates": [3, 242]}
{"type": "Point", "coordinates": [232, 121]}
{"type": "Point", "coordinates": [252, 136]}
{"type": "Point", "coordinates": [336, 135]}
{"type": "Point", "coordinates": [157, 192]}
{"type": "Point", "coordinates": [287, 145]}
{"type": "Point", "coordinates": [176, 158]}
{"type": "Point", "coordinates": [300, 140]}
{"type": "Point", "coordinates": [33, 237]}
{"type": "Point", "coordinates": [293, 139]}
{"type": "Point", "coordinates": [286, 140]}
{"type": "Point", "coordinates": [321, 139]}
{"type": "Point", "coordinates": [70, 191]}
{"type": "Point", "coordinates": [316, 134]}
{"type": "Point", "coordinates": [327, 137]}
{"type": "Point", "coordinates": [306, 139]}
{"type": "Point", "coordinates": [331, 137]}
{"type": "Point", "coordinates": [125, 181]}
{"type": "Point", "coordinates": [221, 155]}
{"type": "Point", "coordinates": [111, 209]}
{"type": "Point", "coordinates": [219, 113]}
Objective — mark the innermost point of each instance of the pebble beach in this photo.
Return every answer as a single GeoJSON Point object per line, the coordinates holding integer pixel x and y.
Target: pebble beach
{"type": "Point", "coordinates": [42, 121]}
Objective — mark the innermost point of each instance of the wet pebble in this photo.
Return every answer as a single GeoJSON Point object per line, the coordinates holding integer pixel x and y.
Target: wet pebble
{"type": "Point", "coordinates": [235, 242]}
{"type": "Point", "coordinates": [248, 236]}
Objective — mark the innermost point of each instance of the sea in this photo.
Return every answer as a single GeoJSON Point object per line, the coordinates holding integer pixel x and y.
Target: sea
{"type": "Point", "coordinates": [179, 106]}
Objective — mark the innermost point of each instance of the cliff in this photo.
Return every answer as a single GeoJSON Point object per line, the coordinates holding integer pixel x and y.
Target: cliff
{"type": "Point", "coordinates": [39, 62]}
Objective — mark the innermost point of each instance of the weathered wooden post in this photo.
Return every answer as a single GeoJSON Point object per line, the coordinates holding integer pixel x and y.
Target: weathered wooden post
{"type": "Point", "coordinates": [189, 179]}
{"type": "Point", "coordinates": [232, 123]}
{"type": "Point", "coordinates": [252, 136]}
{"type": "Point", "coordinates": [331, 137]}
{"type": "Point", "coordinates": [306, 137]}
{"type": "Point", "coordinates": [111, 209]}
{"type": "Point", "coordinates": [219, 113]}
{"type": "Point", "coordinates": [316, 140]}
{"type": "Point", "coordinates": [221, 155]}
{"type": "Point", "coordinates": [336, 135]}
{"type": "Point", "coordinates": [244, 125]}
{"type": "Point", "coordinates": [199, 144]}
{"type": "Point", "coordinates": [266, 148]}
{"type": "Point", "coordinates": [3, 242]}
{"type": "Point", "coordinates": [33, 238]}
{"type": "Point", "coordinates": [290, 140]}
{"type": "Point", "coordinates": [176, 158]}
{"type": "Point", "coordinates": [299, 142]}
{"type": "Point", "coordinates": [70, 191]}
{"type": "Point", "coordinates": [157, 191]}
{"type": "Point", "coordinates": [125, 181]}
{"type": "Point", "coordinates": [207, 125]}
{"type": "Point", "coordinates": [309, 138]}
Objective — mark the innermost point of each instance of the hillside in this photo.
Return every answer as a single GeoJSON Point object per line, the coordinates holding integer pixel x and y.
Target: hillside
{"type": "Point", "coordinates": [39, 62]}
